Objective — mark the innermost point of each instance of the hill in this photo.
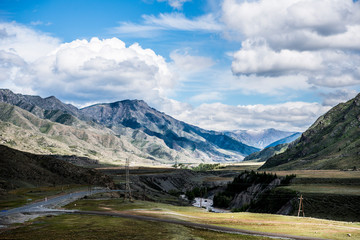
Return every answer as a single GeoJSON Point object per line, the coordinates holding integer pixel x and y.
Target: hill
{"type": "Point", "coordinates": [332, 142]}
{"type": "Point", "coordinates": [19, 169]}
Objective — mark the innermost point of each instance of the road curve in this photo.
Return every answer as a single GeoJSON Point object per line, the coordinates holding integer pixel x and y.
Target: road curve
{"type": "Point", "coordinates": [196, 225]}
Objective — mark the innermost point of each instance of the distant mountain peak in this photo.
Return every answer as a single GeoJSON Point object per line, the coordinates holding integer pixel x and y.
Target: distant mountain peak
{"type": "Point", "coordinates": [259, 138]}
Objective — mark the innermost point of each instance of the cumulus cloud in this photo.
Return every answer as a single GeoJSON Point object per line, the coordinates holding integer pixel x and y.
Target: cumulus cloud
{"type": "Point", "coordinates": [104, 70]}
{"type": "Point", "coordinates": [25, 42]}
{"type": "Point", "coordinates": [255, 58]}
{"type": "Point", "coordinates": [297, 23]}
{"type": "Point", "coordinates": [290, 116]}
{"type": "Point", "coordinates": [99, 68]}
{"type": "Point", "coordinates": [318, 39]}
{"type": "Point", "coordinates": [177, 4]}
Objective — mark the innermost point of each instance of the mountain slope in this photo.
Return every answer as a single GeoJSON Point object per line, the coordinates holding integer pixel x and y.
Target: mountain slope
{"type": "Point", "coordinates": [18, 169]}
{"type": "Point", "coordinates": [258, 138]}
{"type": "Point", "coordinates": [175, 134]}
{"type": "Point", "coordinates": [116, 131]}
{"type": "Point", "coordinates": [288, 139]}
{"type": "Point", "coordinates": [332, 142]}
{"type": "Point", "coordinates": [36, 104]}
{"type": "Point", "coordinates": [266, 153]}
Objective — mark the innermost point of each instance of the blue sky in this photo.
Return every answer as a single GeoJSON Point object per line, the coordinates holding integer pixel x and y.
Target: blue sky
{"type": "Point", "coordinates": [218, 64]}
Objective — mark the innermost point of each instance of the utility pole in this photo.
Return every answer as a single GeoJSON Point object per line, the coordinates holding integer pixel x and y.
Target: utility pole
{"type": "Point", "coordinates": [127, 179]}
{"type": "Point", "coordinates": [301, 206]}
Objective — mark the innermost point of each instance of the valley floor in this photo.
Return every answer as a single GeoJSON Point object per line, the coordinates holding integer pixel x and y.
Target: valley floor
{"type": "Point", "coordinates": [338, 185]}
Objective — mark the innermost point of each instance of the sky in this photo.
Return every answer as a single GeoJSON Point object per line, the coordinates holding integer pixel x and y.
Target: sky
{"type": "Point", "coordinates": [218, 64]}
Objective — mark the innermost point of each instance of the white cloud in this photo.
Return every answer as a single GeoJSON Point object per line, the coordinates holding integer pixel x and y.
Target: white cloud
{"type": "Point", "coordinates": [290, 116]}
{"type": "Point", "coordinates": [207, 96]}
{"type": "Point", "coordinates": [177, 4]}
{"type": "Point", "coordinates": [169, 21]}
{"type": "Point", "coordinates": [25, 42]}
{"type": "Point", "coordinates": [104, 70]}
{"type": "Point", "coordinates": [37, 23]}
{"type": "Point", "coordinates": [334, 98]}
{"type": "Point", "coordinates": [282, 86]}
{"type": "Point", "coordinates": [319, 40]}
{"type": "Point", "coordinates": [98, 69]}
{"type": "Point", "coordinates": [255, 58]}
{"type": "Point", "coordinates": [296, 24]}
{"type": "Point", "coordinates": [189, 63]}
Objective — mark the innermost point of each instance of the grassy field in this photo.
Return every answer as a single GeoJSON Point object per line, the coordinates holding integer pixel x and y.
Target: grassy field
{"type": "Point", "coordinates": [250, 221]}
{"type": "Point", "coordinates": [22, 196]}
{"type": "Point", "coordinates": [325, 189]}
{"type": "Point", "coordinates": [320, 173]}
{"type": "Point", "coordinates": [99, 227]}
{"type": "Point", "coordinates": [242, 166]}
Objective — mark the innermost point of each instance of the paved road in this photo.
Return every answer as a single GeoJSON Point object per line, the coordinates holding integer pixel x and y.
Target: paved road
{"type": "Point", "coordinates": [51, 203]}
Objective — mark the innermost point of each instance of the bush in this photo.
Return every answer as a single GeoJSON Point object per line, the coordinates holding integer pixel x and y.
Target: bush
{"type": "Point", "coordinates": [196, 192]}
{"type": "Point", "coordinates": [174, 192]}
{"type": "Point", "coordinates": [222, 200]}
{"type": "Point", "coordinates": [286, 181]}
{"type": "Point", "coordinates": [206, 167]}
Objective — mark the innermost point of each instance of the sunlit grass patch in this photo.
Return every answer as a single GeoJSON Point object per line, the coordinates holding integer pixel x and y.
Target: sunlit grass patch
{"type": "Point", "coordinates": [250, 221]}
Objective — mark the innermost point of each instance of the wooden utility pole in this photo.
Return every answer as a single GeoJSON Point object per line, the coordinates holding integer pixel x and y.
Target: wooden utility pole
{"type": "Point", "coordinates": [301, 206]}
{"type": "Point", "coordinates": [127, 181]}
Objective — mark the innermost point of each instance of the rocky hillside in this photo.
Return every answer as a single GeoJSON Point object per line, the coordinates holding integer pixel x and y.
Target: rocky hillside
{"type": "Point", "coordinates": [260, 138]}
{"type": "Point", "coordinates": [19, 169]}
{"type": "Point", "coordinates": [332, 142]}
{"type": "Point", "coordinates": [110, 132]}
{"type": "Point", "coordinates": [176, 135]}
{"type": "Point", "coordinates": [256, 192]}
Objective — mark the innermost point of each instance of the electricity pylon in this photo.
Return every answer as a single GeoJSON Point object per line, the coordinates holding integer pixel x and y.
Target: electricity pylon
{"type": "Point", "coordinates": [127, 181]}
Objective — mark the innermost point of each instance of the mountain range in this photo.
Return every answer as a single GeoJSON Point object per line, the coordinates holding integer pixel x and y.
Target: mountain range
{"type": "Point", "coordinates": [332, 142]}
{"type": "Point", "coordinates": [262, 138]}
{"type": "Point", "coordinates": [110, 132]}
{"type": "Point", "coordinates": [272, 149]}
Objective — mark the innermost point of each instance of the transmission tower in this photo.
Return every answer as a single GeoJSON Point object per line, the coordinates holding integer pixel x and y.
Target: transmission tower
{"type": "Point", "coordinates": [127, 180]}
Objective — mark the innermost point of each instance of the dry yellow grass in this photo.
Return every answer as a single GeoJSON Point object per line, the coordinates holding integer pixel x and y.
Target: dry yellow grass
{"type": "Point", "coordinates": [310, 227]}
